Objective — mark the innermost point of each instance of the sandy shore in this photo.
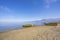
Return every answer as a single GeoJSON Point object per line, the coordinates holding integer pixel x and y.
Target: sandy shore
{"type": "Point", "coordinates": [32, 33]}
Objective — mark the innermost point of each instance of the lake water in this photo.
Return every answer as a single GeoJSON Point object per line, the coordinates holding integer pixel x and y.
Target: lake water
{"type": "Point", "coordinates": [11, 26]}
{"type": "Point", "coordinates": [4, 27]}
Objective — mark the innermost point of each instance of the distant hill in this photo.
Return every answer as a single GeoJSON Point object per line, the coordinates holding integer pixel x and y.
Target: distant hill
{"type": "Point", "coordinates": [41, 22]}
{"type": "Point", "coordinates": [51, 20]}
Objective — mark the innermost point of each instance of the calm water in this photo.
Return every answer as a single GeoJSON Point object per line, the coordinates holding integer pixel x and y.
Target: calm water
{"type": "Point", "coordinates": [11, 26]}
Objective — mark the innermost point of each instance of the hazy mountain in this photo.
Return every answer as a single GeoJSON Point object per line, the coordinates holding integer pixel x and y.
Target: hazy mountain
{"type": "Point", "coordinates": [52, 20]}
{"type": "Point", "coordinates": [41, 22]}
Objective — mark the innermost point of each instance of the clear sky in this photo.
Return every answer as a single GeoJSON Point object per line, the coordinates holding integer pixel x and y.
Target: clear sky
{"type": "Point", "coordinates": [28, 10]}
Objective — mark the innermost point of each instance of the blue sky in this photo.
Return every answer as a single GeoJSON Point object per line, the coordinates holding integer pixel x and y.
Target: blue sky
{"type": "Point", "coordinates": [28, 10]}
